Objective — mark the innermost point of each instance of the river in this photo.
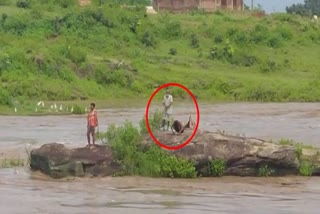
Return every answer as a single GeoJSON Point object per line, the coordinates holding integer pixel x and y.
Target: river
{"type": "Point", "coordinates": [25, 192]}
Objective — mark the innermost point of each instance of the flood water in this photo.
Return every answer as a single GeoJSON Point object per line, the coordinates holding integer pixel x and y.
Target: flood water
{"type": "Point", "coordinates": [23, 192]}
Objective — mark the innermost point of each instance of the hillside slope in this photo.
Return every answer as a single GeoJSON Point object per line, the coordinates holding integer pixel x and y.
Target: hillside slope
{"type": "Point", "coordinates": [63, 51]}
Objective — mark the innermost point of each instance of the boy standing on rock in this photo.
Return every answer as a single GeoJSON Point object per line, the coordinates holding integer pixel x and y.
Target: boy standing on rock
{"type": "Point", "coordinates": [167, 103]}
{"type": "Point", "coordinates": [92, 123]}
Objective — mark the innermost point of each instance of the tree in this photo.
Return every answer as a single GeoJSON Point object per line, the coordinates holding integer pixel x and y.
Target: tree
{"type": "Point", "coordinates": [309, 8]}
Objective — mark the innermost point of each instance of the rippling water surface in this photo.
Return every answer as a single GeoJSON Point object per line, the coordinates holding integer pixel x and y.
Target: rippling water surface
{"type": "Point", "coordinates": [22, 192]}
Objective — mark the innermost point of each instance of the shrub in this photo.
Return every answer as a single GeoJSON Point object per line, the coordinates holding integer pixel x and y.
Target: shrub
{"type": "Point", "coordinates": [148, 40]}
{"type": "Point", "coordinates": [165, 164]}
{"type": "Point", "coordinates": [217, 167]}
{"type": "Point", "coordinates": [4, 17]}
{"type": "Point", "coordinates": [5, 98]}
{"type": "Point", "coordinates": [241, 38]}
{"type": "Point", "coordinates": [259, 34]}
{"type": "Point", "coordinates": [16, 25]}
{"type": "Point", "coordinates": [214, 53]}
{"type": "Point", "coordinates": [172, 29]}
{"type": "Point", "coordinates": [264, 171]}
{"type": "Point", "coordinates": [285, 33]}
{"type": "Point", "coordinates": [66, 3]}
{"type": "Point", "coordinates": [268, 66]}
{"type": "Point", "coordinates": [306, 168]}
{"type": "Point", "coordinates": [76, 55]}
{"type": "Point", "coordinates": [154, 122]}
{"type": "Point", "coordinates": [118, 77]}
{"type": "Point", "coordinates": [23, 4]}
{"type": "Point", "coordinates": [274, 42]}
{"type": "Point", "coordinates": [125, 142]}
{"type": "Point", "coordinates": [78, 110]}
{"type": "Point", "coordinates": [194, 41]}
{"type": "Point", "coordinates": [218, 39]}
{"type": "Point", "coordinates": [249, 60]}
{"type": "Point", "coordinates": [173, 51]}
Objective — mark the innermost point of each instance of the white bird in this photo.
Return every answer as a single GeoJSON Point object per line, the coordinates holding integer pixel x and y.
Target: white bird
{"type": "Point", "coordinates": [55, 106]}
{"type": "Point", "coordinates": [86, 109]}
{"type": "Point", "coordinates": [15, 109]}
{"type": "Point", "coordinates": [40, 103]}
{"type": "Point", "coordinates": [72, 109]}
{"type": "Point", "coordinates": [315, 18]}
{"type": "Point", "coordinates": [51, 106]}
{"type": "Point", "coordinates": [16, 171]}
{"type": "Point", "coordinates": [60, 107]}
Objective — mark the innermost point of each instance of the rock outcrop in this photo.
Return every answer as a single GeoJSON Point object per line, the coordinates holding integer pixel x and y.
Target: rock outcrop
{"type": "Point", "coordinates": [243, 156]}
{"type": "Point", "coordinates": [57, 161]}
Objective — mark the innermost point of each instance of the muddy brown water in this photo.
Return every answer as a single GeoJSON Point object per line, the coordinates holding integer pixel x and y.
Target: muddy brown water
{"type": "Point", "coordinates": [25, 192]}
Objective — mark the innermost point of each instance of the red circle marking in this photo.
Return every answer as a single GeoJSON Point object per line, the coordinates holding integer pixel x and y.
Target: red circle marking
{"type": "Point", "coordinates": [147, 116]}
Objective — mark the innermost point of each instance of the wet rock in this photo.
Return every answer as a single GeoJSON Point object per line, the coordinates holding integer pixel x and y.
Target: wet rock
{"type": "Point", "coordinates": [243, 156]}
{"type": "Point", "coordinates": [57, 161]}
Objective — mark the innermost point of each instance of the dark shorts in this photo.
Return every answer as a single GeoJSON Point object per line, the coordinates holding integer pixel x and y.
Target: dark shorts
{"type": "Point", "coordinates": [90, 129]}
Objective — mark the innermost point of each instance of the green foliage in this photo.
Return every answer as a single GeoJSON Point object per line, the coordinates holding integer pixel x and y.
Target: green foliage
{"type": "Point", "coordinates": [10, 163]}
{"type": "Point", "coordinates": [23, 4]}
{"type": "Point", "coordinates": [148, 40]}
{"type": "Point", "coordinates": [306, 163]}
{"type": "Point", "coordinates": [76, 55]}
{"type": "Point", "coordinates": [217, 167]}
{"type": "Point", "coordinates": [125, 142]}
{"type": "Point", "coordinates": [5, 2]}
{"type": "Point", "coordinates": [163, 164]}
{"type": "Point", "coordinates": [66, 50]}
{"type": "Point", "coordinates": [172, 29]}
{"type": "Point", "coordinates": [309, 7]}
{"type": "Point", "coordinates": [264, 171]}
{"type": "Point", "coordinates": [287, 142]}
{"type": "Point", "coordinates": [154, 122]}
{"type": "Point", "coordinates": [78, 110]}
{"type": "Point", "coordinates": [5, 98]}
{"type": "Point", "coordinates": [306, 168]}
{"type": "Point", "coordinates": [194, 41]}
{"type": "Point", "coordinates": [172, 51]}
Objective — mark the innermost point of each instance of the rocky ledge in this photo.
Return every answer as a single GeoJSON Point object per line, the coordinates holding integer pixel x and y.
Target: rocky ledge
{"type": "Point", "coordinates": [57, 161]}
{"type": "Point", "coordinates": [243, 156]}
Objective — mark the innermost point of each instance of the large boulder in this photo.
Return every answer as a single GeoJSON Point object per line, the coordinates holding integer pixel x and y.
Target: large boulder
{"type": "Point", "coordinates": [243, 156]}
{"type": "Point", "coordinates": [57, 161]}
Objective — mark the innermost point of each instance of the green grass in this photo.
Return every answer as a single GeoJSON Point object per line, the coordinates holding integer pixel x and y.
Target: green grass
{"type": "Point", "coordinates": [264, 171]}
{"type": "Point", "coordinates": [217, 168]}
{"type": "Point", "coordinates": [10, 163]}
{"type": "Point", "coordinates": [307, 155]}
{"type": "Point", "coordinates": [114, 53]}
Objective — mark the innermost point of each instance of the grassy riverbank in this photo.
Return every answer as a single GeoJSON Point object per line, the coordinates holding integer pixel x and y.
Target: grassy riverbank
{"type": "Point", "coordinates": [63, 52]}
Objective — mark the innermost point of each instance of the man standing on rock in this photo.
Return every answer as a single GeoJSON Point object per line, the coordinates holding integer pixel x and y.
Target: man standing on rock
{"type": "Point", "coordinates": [92, 123]}
{"type": "Point", "coordinates": [167, 103]}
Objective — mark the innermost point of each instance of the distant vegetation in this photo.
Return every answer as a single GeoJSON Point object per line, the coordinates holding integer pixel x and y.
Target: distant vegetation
{"type": "Point", "coordinates": [56, 50]}
{"type": "Point", "coordinates": [308, 8]}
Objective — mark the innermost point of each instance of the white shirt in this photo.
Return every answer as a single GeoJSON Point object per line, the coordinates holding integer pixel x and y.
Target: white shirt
{"type": "Point", "coordinates": [167, 100]}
